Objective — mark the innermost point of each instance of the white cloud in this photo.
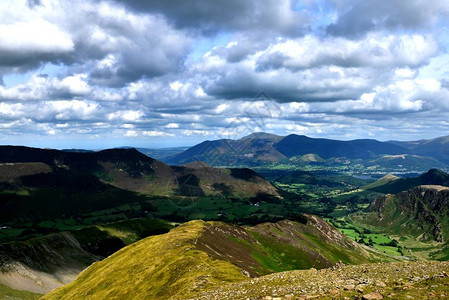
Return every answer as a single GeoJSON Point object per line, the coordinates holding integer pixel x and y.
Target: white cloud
{"type": "Point", "coordinates": [376, 50]}
{"type": "Point", "coordinates": [34, 36]}
{"type": "Point", "coordinates": [172, 126]}
{"type": "Point", "coordinates": [131, 133]}
{"type": "Point", "coordinates": [154, 133]}
{"type": "Point", "coordinates": [221, 108]}
{"type": "Point", "coordinates": [126, 116]}
{"type": "Point", "coordinates": [176, 85]}
{"type": "Point", "coordinates": [74, 85]}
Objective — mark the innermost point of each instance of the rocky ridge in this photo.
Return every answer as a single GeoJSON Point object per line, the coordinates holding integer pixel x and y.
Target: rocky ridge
{"type": "Point", "coordinates": [404, 280]}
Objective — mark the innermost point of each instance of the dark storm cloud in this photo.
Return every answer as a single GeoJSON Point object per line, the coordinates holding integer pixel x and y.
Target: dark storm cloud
{"type": "Point", "coordinates": [210, 16]}
{"type": "Point", "coordinates": [241, 84]}
{"type": "Point", "coordinates": [357, 18]}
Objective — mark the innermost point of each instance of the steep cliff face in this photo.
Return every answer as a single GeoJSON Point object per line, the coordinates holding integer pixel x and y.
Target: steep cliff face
{"type": "Point", "coordinates": [421, 212]}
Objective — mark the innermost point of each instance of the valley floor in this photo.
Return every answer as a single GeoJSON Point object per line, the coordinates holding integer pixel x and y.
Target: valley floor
{"type": "Point", "coordinates": [405, 280]}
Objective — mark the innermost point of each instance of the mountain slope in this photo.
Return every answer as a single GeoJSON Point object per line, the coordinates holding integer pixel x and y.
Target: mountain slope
{"type": "Point", "coordinates": [437, 148]}
{"type": "Point", "coordinates": [157, 267]}
{"type": "Point", "coordinates": [198, 256]}
{"type": "Point", "coordinates": [392, 184]}
{"type": "Point", "coordinates": [296, 145]}
{"type": "Point", "coordinates": [257, 147]}
{"type": "Point", "coordinates": [52, 194]}
{"type": "Point", "coordinates": [128, 169]}
{"type": "Point", "coordinates": [418, 219]}
{"type": "Point", "coordinates": [44, 263]}
{"type": "Point", "coordinates": [406, 162]}
{"type": "Point", "coordinates": [420, 212]}
{"type": "Point", "coordinates": [38, 185]}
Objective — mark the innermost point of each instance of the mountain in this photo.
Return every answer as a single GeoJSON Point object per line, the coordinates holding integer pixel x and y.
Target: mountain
{"type": "Point", "coordinates": [45, 191]}
{"type": "Point", "coordinates": [437, 148]}
{"type": "Point", "coordinates": [382, 182]}
{"type": "Point", "coordinates": [419, 212]}
{"type": "Point", "coordinates": [36, 192]}
{"type": "Point", "coordinates": [418, 217]}
{"type": "Point", "coordinates": [129, 169]}
{"type": "Point", "coordinates": [406, 162]}
{"type": "Point", "coordinates": [259, 148]}
{"type": "Point", "coordinates": [44, 263]}
{"type": "Point", "coordinates": [198, 256]}
{"type": "Point", "coordinates": [297, 145]}
{"type": "Point", "coordinates": [392, 184]}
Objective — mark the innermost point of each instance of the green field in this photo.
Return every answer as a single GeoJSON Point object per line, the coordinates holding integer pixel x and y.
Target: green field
{"type": "Point", "coordinates": [381, 242]}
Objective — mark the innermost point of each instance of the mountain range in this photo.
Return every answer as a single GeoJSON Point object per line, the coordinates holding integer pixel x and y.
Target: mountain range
{"type": "Point", "coordinates": [261, 148]}
{"type": "Point", "coordinates": [44, 191]}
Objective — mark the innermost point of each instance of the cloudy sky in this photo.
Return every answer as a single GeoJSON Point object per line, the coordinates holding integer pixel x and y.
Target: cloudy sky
{"type": "Point", "coordinates": [98, 74]}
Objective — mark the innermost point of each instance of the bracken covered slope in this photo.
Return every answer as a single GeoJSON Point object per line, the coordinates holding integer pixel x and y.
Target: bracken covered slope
{"type": "Point", "coordinates": [198, 256]}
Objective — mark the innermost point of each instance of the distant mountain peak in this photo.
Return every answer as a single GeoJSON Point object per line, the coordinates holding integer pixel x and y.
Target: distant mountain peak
{"type": "Point", "coordinates": [390, 177]}
{"type": "Point", "coordinates": [196, 165]}
{"type": "Point", "coordinates": [263, 135]}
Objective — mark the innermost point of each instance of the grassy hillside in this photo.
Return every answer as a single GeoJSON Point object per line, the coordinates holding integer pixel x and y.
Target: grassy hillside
{"type": "Point", "coordinates": [157, 267]}
{"type": "Point", "coordinates": [198, 256]}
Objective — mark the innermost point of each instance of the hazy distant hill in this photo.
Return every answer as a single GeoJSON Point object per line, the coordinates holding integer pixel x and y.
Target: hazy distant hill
{"type": "Point", "coordinates": [437, 148]}
{"type": "Point", "coordinates": [407, 162]}
{"type": "Point", "coordinates": [294, 145]}
{"type": "Point", "coordinates": [392, 184]}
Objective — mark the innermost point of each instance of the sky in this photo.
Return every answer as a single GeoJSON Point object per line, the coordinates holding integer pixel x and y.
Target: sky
{"type": "Point", "coordinates": [100, 74]}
